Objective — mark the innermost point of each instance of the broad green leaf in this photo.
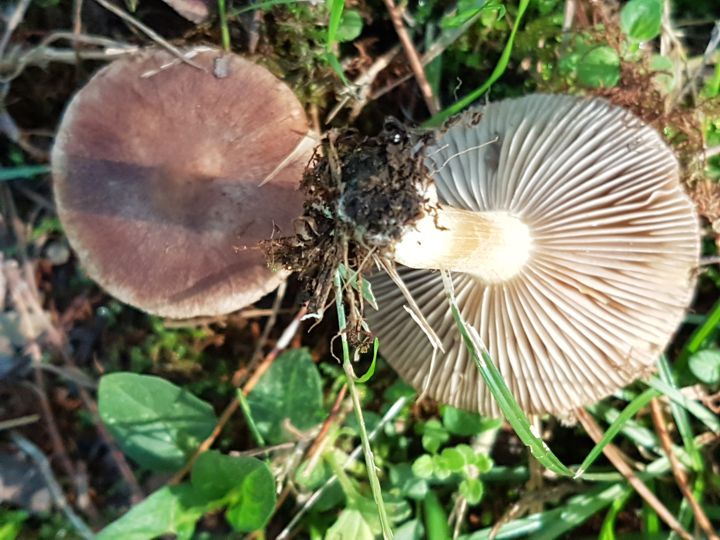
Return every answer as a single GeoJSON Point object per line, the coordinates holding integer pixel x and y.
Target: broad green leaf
{"type": "Point", "coordinates": [434, 435]}
{"type": "Point", "coordinates": [350, 525]}
{"type": "Point", "coordinates": [409, 483]}
{"type": "Point", "coordinates": [472, 489]}
{"type": "Point", "coordinates": [465, 423]}
{"type": "Point", "coordinates": [11, 523]}
{"type": "Point", "coordinates": [599, 68]}
{"type": "Point", "coordinates": [705, 365]}
{"type": "Point", "coordinates": [351, 25]}
{"type": "Point", "coordinates": [290, 391]}
{"type": "Point", "coordinates": [423, 467]}
{"type": "Point", "coordinates": [244, 484]}
{"type": "Point", "coordinates": [453, 459]}
{"type": "Point", "coordinates": [412, 530]}
{"type": "Point", "coordinates": [156, 423]}
{"type": "Point", "coordinates": [170, 510]}
{"type": "Point", "coordinates": [641, 19]}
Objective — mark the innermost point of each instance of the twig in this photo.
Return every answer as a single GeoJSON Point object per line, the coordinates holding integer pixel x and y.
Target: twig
{"type": "Point", "coordinates": [12, 23]}
{"type": "Point", "coordinates": [678, 472]}
{"type": "Point", "coordinates": [19, 421]}
{"type": "Point", "coordinates": [355, 396]}
{"type": "Point", "coordinates": [613, 454]}
{"type": "Point", "coordinates": [149, 32]}
{"type": "Point", "coordinates": [392, 412]}
{"type": "Point", "coordinates": [412, 56]}
{"type": "Point", "coordinates": [58, 496]}
{"type": "Point", "coordinates": [233, 406]}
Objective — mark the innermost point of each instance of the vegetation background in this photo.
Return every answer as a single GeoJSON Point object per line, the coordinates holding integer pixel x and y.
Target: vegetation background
{"type": "Point", "coordinates": [115, 421]}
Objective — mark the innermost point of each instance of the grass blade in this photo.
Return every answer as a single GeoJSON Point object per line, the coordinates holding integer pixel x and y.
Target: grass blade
{"type": "Point", "coordinates": [496, 384]}
{"type": "Point", "coordinates": [631, 410]}
{"type": "Point", "coordinates": [22, 173]}
{"type": "Point", "coordinates": [500, 68]}
{"type": "Point", "coordinates": [693, 407]}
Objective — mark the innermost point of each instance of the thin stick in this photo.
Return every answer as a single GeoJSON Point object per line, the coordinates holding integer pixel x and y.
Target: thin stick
{"type": "Point", "coordinates": [678, 472]}
{"type": "Point", "coordinates": [355, 396]}
{"type": "Point", "coordinates": [12, 23]}
{"type": "Point", "coordinates": [19, 421]}
{"type": "Point", "coordinates": [613, 454]}
{"type": "Point", "coordinates": [149, 32]}
{"type": "Point", "coordinates": [412, 56]}
{"type": "Point", "coordinates": [233, 406]}
{"type": "Point", "coordinates": [57, 494]}
{"type": "Point", "coordinates": [392, 412]}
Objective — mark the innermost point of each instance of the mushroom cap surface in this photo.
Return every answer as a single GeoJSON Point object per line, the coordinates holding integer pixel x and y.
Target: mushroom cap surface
{"type": "Point", "coordinates": [610, 274]}
{"type": "Point", "coordinates": [157, 170]}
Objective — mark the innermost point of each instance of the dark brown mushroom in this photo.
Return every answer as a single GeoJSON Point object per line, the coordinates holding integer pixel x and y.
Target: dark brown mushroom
{"type": "Point", "coordinates": [167, 176]}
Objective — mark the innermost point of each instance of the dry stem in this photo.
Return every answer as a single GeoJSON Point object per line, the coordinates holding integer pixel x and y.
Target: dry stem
{"type": "Point", "coordinates": [615, 457]}
{"type": "Point", "coordinates": [678, 472]}
{"type": "Point", "coordinates": [412, 56]}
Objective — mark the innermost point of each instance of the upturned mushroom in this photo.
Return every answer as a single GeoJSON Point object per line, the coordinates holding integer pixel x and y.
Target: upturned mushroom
{"type": "Point", "coordinates": [572, 248]}
{"type": "Point", "coordinates": [167, 176]}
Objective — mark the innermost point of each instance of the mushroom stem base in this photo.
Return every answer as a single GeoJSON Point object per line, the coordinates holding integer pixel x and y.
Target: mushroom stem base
{"type": "Point", "coordinates": [492, 246]}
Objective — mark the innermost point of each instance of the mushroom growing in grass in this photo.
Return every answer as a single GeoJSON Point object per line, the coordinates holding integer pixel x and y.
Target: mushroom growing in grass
{"type": "Point", "coordinates": [572, 248]}
{"type": "Point", "coordinates": [167, 176]}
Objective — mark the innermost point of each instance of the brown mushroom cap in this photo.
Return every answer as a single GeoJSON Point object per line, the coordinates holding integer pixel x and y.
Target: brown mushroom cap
{"type": "Point", "coordinates": [615, 242]}
{"type": "Point", "coordinates": [167, 176]}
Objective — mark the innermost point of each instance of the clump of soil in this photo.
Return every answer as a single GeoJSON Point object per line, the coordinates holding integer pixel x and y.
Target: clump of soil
{"type": "Point", "coordinates": [360, 193]}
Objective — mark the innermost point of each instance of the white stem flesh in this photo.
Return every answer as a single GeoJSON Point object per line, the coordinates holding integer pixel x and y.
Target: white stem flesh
{"type": "Point", "coordinates": [492, 246]}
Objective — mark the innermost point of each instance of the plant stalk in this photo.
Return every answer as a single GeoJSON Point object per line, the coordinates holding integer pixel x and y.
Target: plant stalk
{"type": "Point", "coordinates": [355, 396]}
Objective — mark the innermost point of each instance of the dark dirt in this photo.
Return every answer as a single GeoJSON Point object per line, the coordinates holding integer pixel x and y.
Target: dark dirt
{"type": "Point", "coordinates": [360, 193]}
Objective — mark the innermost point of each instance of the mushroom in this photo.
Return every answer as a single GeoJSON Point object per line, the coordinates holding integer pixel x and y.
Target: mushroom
{"type": "Point", "coordinates": [167, 176]}
{"type": "Point", "coordinates": [572, 248]}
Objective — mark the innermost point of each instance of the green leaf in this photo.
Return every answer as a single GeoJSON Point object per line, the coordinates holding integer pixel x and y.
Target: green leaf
{"type": "Point", "coordinates": [11, 523]}
{"type": "Point", "coordinates": [351, 25]}
{"type": "Point", "coordinates": [466, 424]}
{"type": "Point", "coordinates": [423, 467]}
{"type": "Point", "coordinates": [244, 484]}
{"type": "Point", "coordinates": [641, 19]}
{"type": "Point", "coordinates": [350, 525]}
{"type": "Point", "coordinates": [453, 459]}
{"type": "Point", "coordinates": [412, 530]}
{"type": "Point", "coordinates": [371, 370]}
{"type": "Point", "coordinates": [290, 391]}
{"type": "Point", "coordinates": [472, 489]}
{"type": "Point", "coordinates": [705, 365]}
{"type": "Point", "coordinates": [434, 435]}
{"type": "Point", "coordinates": [436, 520]}
{"type": "Point", "coordinates": [156, 423]}
{"type": "Point", "coordinates": [599, 68]}
{"type": "Point", "coordinates": [500, 68]}
{"type": "Point", "coordinates": [170, 510]}
{"type": "Point", "coordinates": [410, 484]}
{"type": "Point", "coordinates": [336, 8]}
{"type": "Point", "coordinates": [693, 407]}
{"type": "Point", "coordinates": [630, 411]}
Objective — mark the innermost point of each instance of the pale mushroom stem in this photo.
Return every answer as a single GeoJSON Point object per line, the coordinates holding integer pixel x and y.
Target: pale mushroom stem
{"type": "Point", "coordinates": [492, 246]}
